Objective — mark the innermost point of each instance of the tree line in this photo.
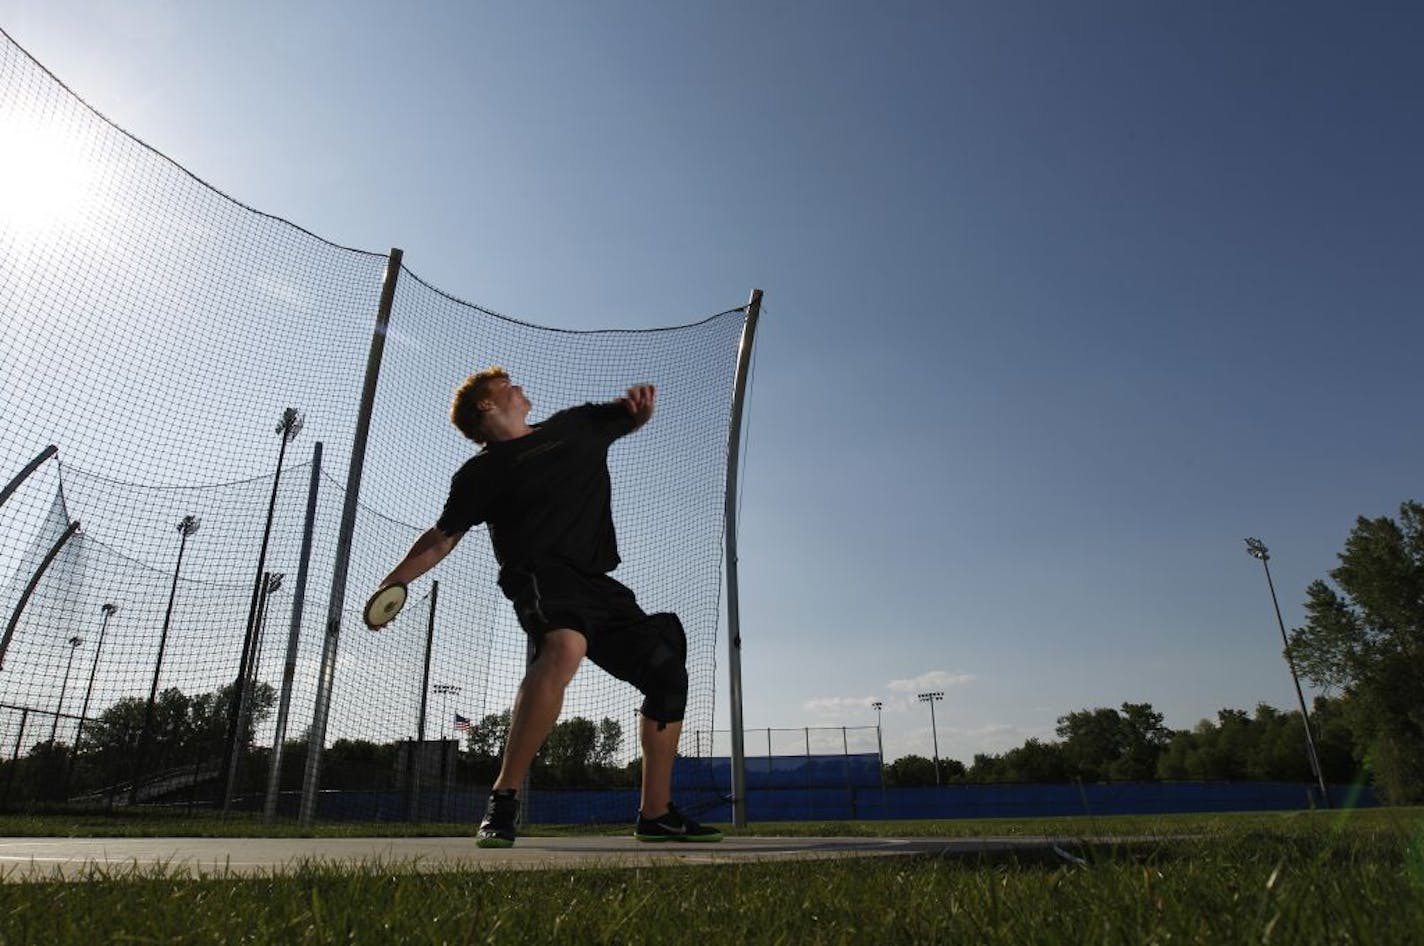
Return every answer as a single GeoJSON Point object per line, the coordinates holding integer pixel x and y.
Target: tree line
{"type": "Point", "coordinates": [1362, 641]}
{"type": "Point", "coordinates": [188, 736]}
{"type": "Point", "coordinates": [1132, 744]}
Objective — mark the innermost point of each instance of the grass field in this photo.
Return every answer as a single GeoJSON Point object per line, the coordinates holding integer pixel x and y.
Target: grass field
{"type": "Point", "coordinates": [1295, 878]}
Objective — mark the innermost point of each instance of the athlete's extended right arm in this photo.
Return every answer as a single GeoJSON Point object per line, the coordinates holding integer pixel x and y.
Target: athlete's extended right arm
{"type": "Point", "coordinates": [427, 552]}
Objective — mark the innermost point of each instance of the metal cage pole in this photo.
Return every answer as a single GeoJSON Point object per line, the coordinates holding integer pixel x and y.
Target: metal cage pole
{"type": "Point", "coordinates": [734, 617]}
{"type": "Point", "coordinates": [294, 634]}
{"type": "Point", "coordinates": [416, 757]}
{"type": "Point", "coordinates": [30, 588]}
{"type": "Point", "coordinates": [337, 601]}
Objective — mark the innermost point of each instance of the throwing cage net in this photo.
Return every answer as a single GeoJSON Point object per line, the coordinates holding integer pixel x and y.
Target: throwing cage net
{"type": "Point", "coordinates": [181, 399]}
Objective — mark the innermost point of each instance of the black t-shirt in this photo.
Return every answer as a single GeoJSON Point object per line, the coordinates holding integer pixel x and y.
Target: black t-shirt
{"type": "Point", "coordinates": [546, 495]}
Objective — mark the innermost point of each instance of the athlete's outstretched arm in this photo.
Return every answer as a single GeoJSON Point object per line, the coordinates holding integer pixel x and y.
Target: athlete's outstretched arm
{"type": "Point", "coordinates": [432, 546]}
{"type": "Point", "coordinates": [639, 402]}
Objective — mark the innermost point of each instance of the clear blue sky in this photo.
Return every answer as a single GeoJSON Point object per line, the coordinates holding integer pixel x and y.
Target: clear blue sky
{"type": "Point", "coordinates": [1063, 300]}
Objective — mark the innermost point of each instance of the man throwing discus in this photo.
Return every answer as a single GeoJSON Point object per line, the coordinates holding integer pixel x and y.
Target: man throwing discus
{"type": "Point", "coordinates": [545, 493]}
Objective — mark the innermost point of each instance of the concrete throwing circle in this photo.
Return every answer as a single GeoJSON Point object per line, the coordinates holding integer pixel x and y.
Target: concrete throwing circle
{"type": "Point", "coordinates": [85, 858]}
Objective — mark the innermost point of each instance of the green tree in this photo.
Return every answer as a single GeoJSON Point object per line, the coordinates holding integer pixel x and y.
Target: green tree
{"type": "Point", "coordinates": [1365, 636]}
{"type": "Point", "coordinates": [565, 756]}
{"type": "Point", "coordinates": [1036, 761]}
{"type": "Point", "coordinates": [579, 752]}
{"type": "Point", "coordinates": [910, 770]}
{"type": "Point", "coordinates": [610, 740]}
{"type": "Point", "coordinates": [486, 738]}
{"type": "Point", "coordinates": [1144, 737]}
{"type": "Point", "coordinates": [485, 745]}
{"type": "Point", "coordinates": [1268, 746]}
{"type": "Point", "coordinates": [1102, 744]}
{"type": "Point", "coordinates": [987, 768]}
{"type": "Point", "coordinates": [1092, 741]}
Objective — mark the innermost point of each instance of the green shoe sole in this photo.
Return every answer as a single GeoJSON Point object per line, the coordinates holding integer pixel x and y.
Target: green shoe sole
{"type": "Point", "coordinates": [658, 838]}
{"type": "Point", "coordinates": [493, 842]}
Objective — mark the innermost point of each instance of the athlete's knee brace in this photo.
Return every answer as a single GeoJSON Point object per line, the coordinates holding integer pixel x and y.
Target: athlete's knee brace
{"type": "Point", "coordinates": [662, 673]}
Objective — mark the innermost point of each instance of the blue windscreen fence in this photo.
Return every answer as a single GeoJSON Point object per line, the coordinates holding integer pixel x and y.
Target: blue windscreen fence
{"type": "Point", "coordinates": [848, 788]}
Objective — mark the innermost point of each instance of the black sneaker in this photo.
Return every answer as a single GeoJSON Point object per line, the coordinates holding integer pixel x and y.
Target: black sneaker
{"type": "Point", "coordinates": [674, 826]}
{"type": "Point", "coordinates": [497, 830]}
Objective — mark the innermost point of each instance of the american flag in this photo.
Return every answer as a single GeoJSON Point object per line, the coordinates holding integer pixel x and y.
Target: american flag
{"type": "Point", "coordinates": [461, 723]}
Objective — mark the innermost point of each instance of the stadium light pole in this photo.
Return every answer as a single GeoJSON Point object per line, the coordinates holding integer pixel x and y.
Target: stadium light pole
{"type": "Point", "coordinates": [294, 625]}
{"type": "Point", "coordinates": [272, 582]}
{"type": "Point", "coordinates": [446, 690]}
{"type": "Point", "coordinates": [273, 585]}
{"type": "Point", "coordinates": [931, 698]}
{"type": "Point", "coordinates": [1257, 550]}
{"type": "Point", "coordinates": [187, 527]}
{"type": "Point", "coordinates": [74, 643]}
{"type": "Point", "coordinates": [287, 429]}
{"type": "Point", "coordinates": [108, 609]}
{"type": "Point", "coordinates": [879, 742]}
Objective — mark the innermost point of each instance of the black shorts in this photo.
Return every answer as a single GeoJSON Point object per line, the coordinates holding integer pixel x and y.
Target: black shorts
{"type": "Point", "coordinates": [648, 651]}
{"type": "Point", "coordinates": [549, 597]}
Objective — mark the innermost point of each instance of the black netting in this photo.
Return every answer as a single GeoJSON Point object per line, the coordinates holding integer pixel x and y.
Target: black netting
{"type": "Point", "coordinates": [155, 330]}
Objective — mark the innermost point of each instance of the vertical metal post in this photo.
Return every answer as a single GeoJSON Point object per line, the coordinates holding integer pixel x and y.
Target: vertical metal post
{"type": "Point", "coordinates": [294, 634]}
{"type": "Point", "coordinates": [418, 748]}
{"type": "Point", "coordinates": [880, 745]}
{"type": "Point", "coordinates": [734, 618]}
{"type": "Point", "coordinates": [880, 751]}
{"type": "Point", "coordinates": [337, 602]}
{"type": "Point", "coordinates": [850, 784]}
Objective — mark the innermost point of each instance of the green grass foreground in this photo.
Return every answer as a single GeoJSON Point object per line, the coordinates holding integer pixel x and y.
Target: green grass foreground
{"type": "Point", "coordinates": [1310, 878]}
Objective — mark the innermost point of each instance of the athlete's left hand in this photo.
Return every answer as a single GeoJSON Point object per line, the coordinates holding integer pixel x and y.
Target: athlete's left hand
{"type": "Point", "coordinates": [639, 402]}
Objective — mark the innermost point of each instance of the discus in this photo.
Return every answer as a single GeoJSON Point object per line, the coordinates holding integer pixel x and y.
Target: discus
{"type": "Point", "coordinates": [384, 605]}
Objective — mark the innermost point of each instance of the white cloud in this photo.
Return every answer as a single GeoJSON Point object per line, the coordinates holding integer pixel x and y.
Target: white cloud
{"type": "Point", "coordinates": [837, 705]}
{"type": "Point", "coordinates": [935, 679]}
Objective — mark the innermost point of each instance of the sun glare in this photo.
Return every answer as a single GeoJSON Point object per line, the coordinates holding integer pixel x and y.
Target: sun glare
{"type": "Point", "coordinates": [45, 179]}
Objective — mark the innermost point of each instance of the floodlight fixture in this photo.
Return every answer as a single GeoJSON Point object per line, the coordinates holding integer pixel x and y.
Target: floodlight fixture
{"type": "Point", "coordinates": [290, 425]}
{"type": "Point", "coordinates": [931, 698]}
{"type": "Point", "coordinates": [447, 690]}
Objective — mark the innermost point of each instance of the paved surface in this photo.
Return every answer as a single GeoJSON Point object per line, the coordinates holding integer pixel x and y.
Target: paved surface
{"type": "Point", "coordinates": [79, 858]}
